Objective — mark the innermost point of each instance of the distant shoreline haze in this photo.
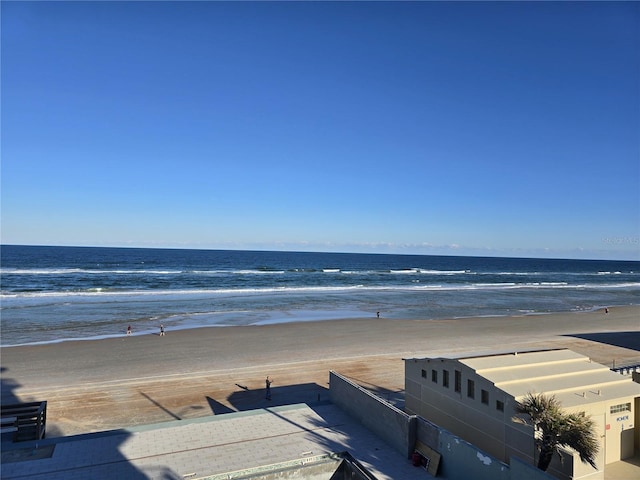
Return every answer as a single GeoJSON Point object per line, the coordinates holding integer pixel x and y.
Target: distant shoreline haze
{"type": "Point", "coordinates": [385, 249]}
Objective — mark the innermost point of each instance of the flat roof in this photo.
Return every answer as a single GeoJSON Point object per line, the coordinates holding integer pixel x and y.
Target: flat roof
{"type": "Point", "coordinates": [573, 378]}
{"type": "Point", "coordinates": [260, 440]}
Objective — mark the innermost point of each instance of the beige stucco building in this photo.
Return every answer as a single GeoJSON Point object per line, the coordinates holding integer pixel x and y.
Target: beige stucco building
{"type": "Point", "coordinates": [474, 398]}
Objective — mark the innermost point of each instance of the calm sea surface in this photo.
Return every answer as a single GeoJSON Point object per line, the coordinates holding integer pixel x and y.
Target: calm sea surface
{"type": "Point", "coordinates": [50, 294]}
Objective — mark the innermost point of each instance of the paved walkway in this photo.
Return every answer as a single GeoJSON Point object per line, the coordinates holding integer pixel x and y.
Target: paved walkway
{"type": "Point", "coordinates": [627, 469]}
{"type": "Point", "coordinates": [207, 446]}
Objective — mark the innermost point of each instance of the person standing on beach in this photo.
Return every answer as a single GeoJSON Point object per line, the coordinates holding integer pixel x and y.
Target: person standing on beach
{"type": "Point", "coordinates": [129, 330]}
{"type": "Point", "coordinates": [161, 330]}
{"type": "Point", "coordinates": [268, 388]}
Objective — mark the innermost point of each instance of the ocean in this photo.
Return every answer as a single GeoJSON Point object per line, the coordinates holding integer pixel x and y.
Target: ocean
{"type": "Point", "coordinates": [53, 294]}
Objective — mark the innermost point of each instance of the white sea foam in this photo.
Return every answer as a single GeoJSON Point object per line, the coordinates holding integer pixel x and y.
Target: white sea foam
{"type": "Point", "coordinates": [257, 272]}
{"type": "Point", "coordinates": [402, 271]}
{"type": "Point", "coordinates": [151, 293]}
{"type": "Point", "coordinates": [55, 292]}
{"type": "Point", "coordinates": [103, 292]}
{"type": "Point", "coordinates": [75, 271]}
{"type": "Point", "coordinates": [444, 272]}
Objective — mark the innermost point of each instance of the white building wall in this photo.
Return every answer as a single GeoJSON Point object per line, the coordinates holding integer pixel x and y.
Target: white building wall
{"type": "Point", "coordinates": [472, 415]}
{"type": "Point", "coordinates": [619, 430]}
{"type": "Point", "coordinates": [481, 423]}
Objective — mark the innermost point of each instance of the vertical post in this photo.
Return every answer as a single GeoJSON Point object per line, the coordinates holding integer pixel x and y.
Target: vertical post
{"type": "Point", "coordinates": [39, 424]}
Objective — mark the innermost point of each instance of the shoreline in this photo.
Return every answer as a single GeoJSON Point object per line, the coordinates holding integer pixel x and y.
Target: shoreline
{"type": "Point", "coordinates": [310, 320]}
{"type": "Point", "coordinates": [141, 379]}
{"type": "Point", "coordinates": [240, 345]}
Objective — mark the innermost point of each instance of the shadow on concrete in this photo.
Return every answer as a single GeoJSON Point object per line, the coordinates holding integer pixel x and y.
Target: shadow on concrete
{"type": "Point", "coordinates": [349, 438]}
{"type": "Point", "coordinates": [630, 340]}
{"type": "Point", "coordinates": [20, 457]}
{"type": "Point", "coordinates": [316, 431]}
{"type": "Point", "coordinates": [629, 468]}
{"type": "Point", "coordinates": [394, 397]}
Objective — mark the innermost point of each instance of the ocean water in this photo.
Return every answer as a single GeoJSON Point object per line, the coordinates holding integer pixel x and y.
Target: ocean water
{"type": "Point", "coordinates": [51, 294]}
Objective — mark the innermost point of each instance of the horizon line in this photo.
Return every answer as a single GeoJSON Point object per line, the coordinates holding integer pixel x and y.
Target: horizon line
{"type": "Point", "coordinates": [460, 251]}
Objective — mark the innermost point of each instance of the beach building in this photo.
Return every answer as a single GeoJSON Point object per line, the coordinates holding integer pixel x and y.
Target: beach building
{"type": "Point", "coordinates": [474, 397]}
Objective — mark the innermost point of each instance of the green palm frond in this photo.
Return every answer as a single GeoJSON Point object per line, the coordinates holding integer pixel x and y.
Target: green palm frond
{"type": "Point", "coordinates": [579, 434]}
{"type": "Point", "coordinates": [541, 408]}
{"type": "Point", "coordinates": [573, 430]}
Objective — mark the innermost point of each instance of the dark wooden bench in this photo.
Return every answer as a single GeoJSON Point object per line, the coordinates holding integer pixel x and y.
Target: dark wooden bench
{"type": "Point", "coordinates": [27, 421]}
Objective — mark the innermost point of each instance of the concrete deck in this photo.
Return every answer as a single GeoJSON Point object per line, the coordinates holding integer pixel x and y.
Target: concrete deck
{"type": "Point", "coordinates": [627, 469]}
{"type": "Point", "coordinates": [208, 446]}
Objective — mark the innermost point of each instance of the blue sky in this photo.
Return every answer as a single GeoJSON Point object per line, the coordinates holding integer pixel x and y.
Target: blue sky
{"type": "Point", "coordinates": [410, 127]}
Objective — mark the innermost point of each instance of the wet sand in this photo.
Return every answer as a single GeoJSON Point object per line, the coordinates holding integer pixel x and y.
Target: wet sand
{"type": "Point", "coordinates": [141, 379]}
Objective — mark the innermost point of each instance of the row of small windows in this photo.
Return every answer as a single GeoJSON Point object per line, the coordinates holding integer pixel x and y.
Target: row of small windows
{"type": "Point", "coordinates": [623, 407]}
{"type": "Point", "coordinates": [457, 386]}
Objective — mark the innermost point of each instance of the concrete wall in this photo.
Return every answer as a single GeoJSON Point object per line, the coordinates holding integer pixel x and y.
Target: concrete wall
{"type": "Point", "coordinates": [494, 430]}
{"type": "Point", "coordinates": [386, 421]}
{"type": "Point", "coordinates": [452, 408]}
{"type": "Point", "coordinates": [460, 460]}
{"type": "Point", "coordinates": [636, 409]}
{"type": "Point", "coordinates": [523, 471]}
{"type": "Point", "coordinates": [564, 469]}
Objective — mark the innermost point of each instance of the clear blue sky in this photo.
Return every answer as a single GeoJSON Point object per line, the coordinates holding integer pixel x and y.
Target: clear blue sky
{"type": "Point", "coordinates": [406, 127]}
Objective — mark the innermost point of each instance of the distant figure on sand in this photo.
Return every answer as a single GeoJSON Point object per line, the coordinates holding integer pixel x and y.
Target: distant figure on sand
{"type": "Point", "coordinates": [162, 330]}
{"type": "Point", "coordinates": [268, 388]}
{"type": "Point", "coordinates": [378, 314]}
{"type": "Point", "coordinates": [129, 330]}
{"type": "Point", "coordinates": [606, 310]}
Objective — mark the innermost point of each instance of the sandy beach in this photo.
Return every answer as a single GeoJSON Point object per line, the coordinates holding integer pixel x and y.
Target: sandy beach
{"type": "Point", "coordinates": [141, 379]}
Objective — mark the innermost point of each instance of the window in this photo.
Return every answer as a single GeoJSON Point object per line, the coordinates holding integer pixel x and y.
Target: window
{"type": "Point", "coordinates": [623, 407]}
{"type": "Point", "coordinates": [434, 376]}
{"type": "Point", "coordinates": [458, 381]}
{"type": "Point", "coordinates": [471, 389]}
{"type": "Point", "coordinates": [424, 373]}
{"type": "Point", "coordinates": [445, 378]}
{"type": "Point", "coordinates": [499, 406]}
{"type": "Point", "coordinates": [484, 397]}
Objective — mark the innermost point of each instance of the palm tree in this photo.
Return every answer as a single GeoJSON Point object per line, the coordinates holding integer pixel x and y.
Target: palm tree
{"type": "Point", "coordinates": [559, 429]}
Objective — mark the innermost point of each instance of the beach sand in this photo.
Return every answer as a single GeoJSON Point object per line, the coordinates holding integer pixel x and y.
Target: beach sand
{"type": "Point", "coordinates": [142, 379]}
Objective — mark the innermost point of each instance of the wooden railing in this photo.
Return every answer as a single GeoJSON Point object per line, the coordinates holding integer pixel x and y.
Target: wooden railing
{"type": "Point", "coordinates": [27, 421]}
